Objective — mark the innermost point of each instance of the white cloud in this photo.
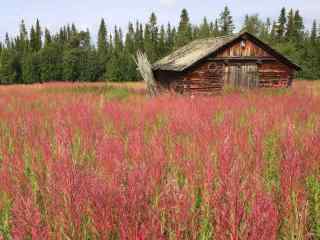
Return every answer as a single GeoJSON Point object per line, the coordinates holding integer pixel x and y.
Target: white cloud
{"type": "Point", "coordinates": [168, 3]}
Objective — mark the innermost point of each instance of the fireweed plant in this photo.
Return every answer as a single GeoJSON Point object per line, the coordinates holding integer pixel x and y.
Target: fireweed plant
{"type": "Point", "coordinates": [81, 165]}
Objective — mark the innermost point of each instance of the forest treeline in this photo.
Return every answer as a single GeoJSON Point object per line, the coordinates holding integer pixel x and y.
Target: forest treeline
{"type": "Point", "coordinates": [38, 55]}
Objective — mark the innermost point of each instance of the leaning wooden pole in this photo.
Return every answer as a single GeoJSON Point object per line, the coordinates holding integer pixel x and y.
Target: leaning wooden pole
{"type": "Point", "coordinates": [146, 72]}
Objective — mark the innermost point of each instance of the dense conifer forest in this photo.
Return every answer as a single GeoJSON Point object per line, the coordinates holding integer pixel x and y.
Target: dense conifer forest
{"type": "Point", "coordinates": [38, 55]}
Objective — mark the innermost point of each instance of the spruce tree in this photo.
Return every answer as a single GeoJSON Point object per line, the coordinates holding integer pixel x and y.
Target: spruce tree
{"type": "Point", "coordinates": [195, 32]}
{"type": "Point", "coordinates": [51, 62]}
{"type": "Point", "coordinates": [273, 33]}
{"type": "Point", "coordinates": [162, 47]}
{"type": "Point", "coordinates": [290, 26]}
{"type": "Point", "coordinates": [204, 31]}
{"type": "Point", "coordinates": [265, 30]}
{"type": "Point", "coordinates": [281, 27]}
{"type": "Point", "coordinates": [7, 41]}
{"type": "Point", "coordinates": [47, 38]}
{"type": "Point", "coordinates": [170, 41]}
{"type": "Point", "coordinates": [38, 33]}
{"type": "Point", "coordinates": [31, 71]}
{"type": "Point", "coordinates": [298, 27]}
{"type": "Point", "coordinates": [22, 40]}
{"type": "Point", "coordinates": [138, 36]}
{"type": "Point", "coordinates": [314, 33]}
{"type": "Point", "coordinates": [8, 69]}
{"type": "Point", "coordinates": [252, 24]}
{"type": "Point", "coordinates": [225, 22]}
{"type": "Point", "coordinates": [184, 34]}
{"type": "Point", "coordinates": [153, 29]}
{"type": "Point", "coordinates": [102, 39]}
{"type": "Point", "coordinates": [216, 31]}
{"type": "Point", "coordinates": [147, 43]}
{"type": "Point", "coordinates": [33, 40]}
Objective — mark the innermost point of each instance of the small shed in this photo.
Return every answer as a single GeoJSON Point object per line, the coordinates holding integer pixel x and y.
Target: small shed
{"type": "Point", "coordinates": [207, 65]}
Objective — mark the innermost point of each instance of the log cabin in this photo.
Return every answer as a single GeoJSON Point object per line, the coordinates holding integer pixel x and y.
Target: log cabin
{"type": "Point", "coordinates": [208, 65]}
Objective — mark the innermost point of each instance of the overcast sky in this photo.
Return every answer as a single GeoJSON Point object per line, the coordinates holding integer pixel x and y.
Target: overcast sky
{"type": "Point", "coordinates": [87, 13]}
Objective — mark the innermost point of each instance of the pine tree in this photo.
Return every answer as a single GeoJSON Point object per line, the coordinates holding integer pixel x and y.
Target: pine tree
{"type": "Point", "coordinates": [47, 38]}
{"type": "Point", "coordinates": [265, 30]}
{"type": "Point", "coordinates": [115, 67]}
{"type": "Point", "coordinates": [170, 38]}
{"type": "Point", "coordinates": [147, 43]}
{"type": "Point", "coordinates": [38, 33]}
{"type": "Point", "coordinates": [129, 42]}
{"type": "Point", "coordinates": [290, 26]}
{"type": "Point", "coordinates": [298, 27]}
{"type": "Point", "coordinates": [138, 36]}
{"type": "Point", "coordinates": [8, 69]}
{"type": "Point", "coordinates": [129, 52]}
{"type": "Point", "coordinates": [22, 39]}
{"type": "Point", "coordinates": [153, 29]}
{"type": "Point", "coordinates": [33, 40]}
{"type": "Point", "coordinates": [252, 24]}
{"type": "Point", "coordinates": [151, 38]}
{"type": "Point", "coordinates": [31, 71]}
{"type": "Point", "coordinates": [281, 28]}
{"type": "Point", "coordinates": [162, 47]}
{"type": "Point", "coordinates": [204, 31]}
{"type": "Point", "coordinates": [225, 22]}
{"type": "Point", "coordinates": [216, 31]}
{"type": "Point", "coordinates": [103, 50]}
{"type": "Point", "coordinates": [71, 64]}
{"type": "Point", "coordinates": [7, 41]}
{"type": "Point", "coordinates": [184, 34]}
{"type": "Point", "coordinates": [51, 62]}
{"type": "Point", "coordinates": [129, 67]}
{"type": "Point", "coordinates": [84, 39]}
{"type": "Point", "coordinates": [273, 33]}
{"type": "Point", "coordinates": [314, 33]}
{"type": "Point", "coordinates": [102, 39]}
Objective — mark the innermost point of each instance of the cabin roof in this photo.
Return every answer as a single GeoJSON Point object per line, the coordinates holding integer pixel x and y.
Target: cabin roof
{"type": "Point", "coordinates": [190, 54]}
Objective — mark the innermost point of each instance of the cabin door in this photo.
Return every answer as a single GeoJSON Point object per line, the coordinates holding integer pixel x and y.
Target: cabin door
{"type": "Point", "coordinates": [242, 76]}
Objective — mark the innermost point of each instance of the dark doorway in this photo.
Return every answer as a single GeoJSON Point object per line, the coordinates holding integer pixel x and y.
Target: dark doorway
{"type": "Point", "coordinates": [242, 76]}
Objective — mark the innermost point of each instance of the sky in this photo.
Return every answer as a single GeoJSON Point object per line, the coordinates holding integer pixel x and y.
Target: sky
{"type": "Point", "coordinates": [88, 13]}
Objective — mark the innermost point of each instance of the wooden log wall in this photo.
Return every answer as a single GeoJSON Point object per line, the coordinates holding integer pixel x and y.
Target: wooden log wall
{"type": "Point", "coordinates": [205, 78]}
{"type": "Point", "coordinates": [243, 64]}
{"type": "Point", "coordinates": [275, 75]}
{"type": "Point", "coordinates": [243, 48]}
{"type": "Point", "coordinates": [270, 72]}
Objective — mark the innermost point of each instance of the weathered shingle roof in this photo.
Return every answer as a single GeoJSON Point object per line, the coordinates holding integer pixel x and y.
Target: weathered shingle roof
{"type": "Point", "coordinates": [186, 56]}
{"type": "Point", "coordinates": [193, 52]}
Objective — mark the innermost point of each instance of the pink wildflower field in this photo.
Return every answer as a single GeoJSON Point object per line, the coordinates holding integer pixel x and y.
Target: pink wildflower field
{"type": "Point", "coordinates": [81, 161]}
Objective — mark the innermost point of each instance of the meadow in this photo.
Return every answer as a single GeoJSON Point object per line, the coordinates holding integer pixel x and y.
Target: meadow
{"type": "Point", "coordinates": [89, 161]}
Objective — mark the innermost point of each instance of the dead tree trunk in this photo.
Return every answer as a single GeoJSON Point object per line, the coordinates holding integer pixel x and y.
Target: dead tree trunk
{"type": "Point", "coordinates": [146, 72]}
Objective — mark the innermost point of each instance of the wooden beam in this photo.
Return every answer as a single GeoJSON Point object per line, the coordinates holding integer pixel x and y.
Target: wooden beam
{"type": "Point", "coordinates": [243, 59]}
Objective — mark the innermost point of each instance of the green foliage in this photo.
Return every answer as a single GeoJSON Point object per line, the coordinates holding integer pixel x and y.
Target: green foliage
{"type": "Point", "coordinates": [9, 66]}
{"type": "Point", "coordinates": [271, 154]}
{"type": "Point", "coordinates": [31, 71]}
{"type": "Point", "coordinates": [71, 64]}
{"type": "Point", "coordinates": [70, 55]}
{"type": "Point", "coordinates": [282, 20]}
{"type": "Point", "coordinates": [313, 184]}
{"type": "Point", "coordinates": [184, 34]}
{"type": "Point", "coordinates": [117, 93]}
{"type": "Point", "coordinates": [51, 62]}
{"type": "Point", "coordinates": [5, 217]}
{"type": "Point", "coordinates": [253, 24]}
{"type": "Point", "coordinates": [226, 22]}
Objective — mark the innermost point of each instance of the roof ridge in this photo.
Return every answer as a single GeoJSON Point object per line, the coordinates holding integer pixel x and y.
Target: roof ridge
{"type": "Point", "coordinates": [187, 55]}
